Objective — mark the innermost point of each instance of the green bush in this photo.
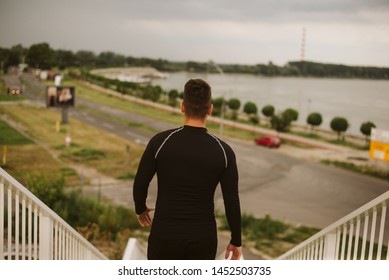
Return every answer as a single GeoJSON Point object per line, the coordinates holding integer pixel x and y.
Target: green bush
{"type": "Point", "coordinates": [79, 210]}
{"type": "Point", "coordinates": [51, 190]}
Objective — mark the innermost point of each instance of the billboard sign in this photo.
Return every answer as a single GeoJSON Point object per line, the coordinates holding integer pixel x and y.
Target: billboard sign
{"type": "Point", "coordinates": [60, 96]}
{"type": "Point", "coordinates": [379, 144]}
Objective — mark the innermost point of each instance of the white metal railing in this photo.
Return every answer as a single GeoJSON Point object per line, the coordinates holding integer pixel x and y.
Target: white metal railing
{"type": "Point", "coordinates": [361, 235]}
{"type": "Point", "coordinates": [29, 230]}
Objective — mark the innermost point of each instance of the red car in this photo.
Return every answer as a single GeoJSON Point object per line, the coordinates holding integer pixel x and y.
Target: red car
{"type": "Point", "coordinates": [268, 141]}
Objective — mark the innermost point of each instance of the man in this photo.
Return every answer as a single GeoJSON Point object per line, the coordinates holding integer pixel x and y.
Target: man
{"type": "Point", "coordinates": [190, 163]}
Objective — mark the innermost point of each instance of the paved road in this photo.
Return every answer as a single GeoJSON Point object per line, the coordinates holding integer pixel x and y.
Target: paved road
{"type": "Point", "coordinates": [287, 188]}
{"type": "Point", "coordinates": [299, 191]}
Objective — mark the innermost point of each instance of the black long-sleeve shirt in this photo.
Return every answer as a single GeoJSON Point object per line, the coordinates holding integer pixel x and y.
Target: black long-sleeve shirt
{"type": "Point", "coordinates": [190, 163]}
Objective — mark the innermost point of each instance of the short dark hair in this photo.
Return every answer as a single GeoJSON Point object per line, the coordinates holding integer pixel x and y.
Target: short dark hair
{"type": "Point", "coordinates": [197, 98]}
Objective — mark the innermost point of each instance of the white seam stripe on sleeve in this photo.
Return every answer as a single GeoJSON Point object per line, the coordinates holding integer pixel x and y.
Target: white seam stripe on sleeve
{"type": "Point", "coordinates": [163, 143]}
{"type": "Point", "coordinates": [221, 146]}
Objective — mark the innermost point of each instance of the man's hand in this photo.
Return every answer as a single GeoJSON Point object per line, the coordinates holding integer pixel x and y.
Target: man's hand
{"type": "Point", "coordinates": [144, 219]}
{"type": "Point", "coordinates": [236, 252]}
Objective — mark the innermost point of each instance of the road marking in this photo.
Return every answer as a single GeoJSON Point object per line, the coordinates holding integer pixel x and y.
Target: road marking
{"type": "Point", "coordinates": [136, 140]}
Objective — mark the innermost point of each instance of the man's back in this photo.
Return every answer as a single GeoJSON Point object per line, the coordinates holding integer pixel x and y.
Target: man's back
{"type": "Point", "coordinates": [189, 163]}
{"type": "Point", "coordinates": [189, 166]}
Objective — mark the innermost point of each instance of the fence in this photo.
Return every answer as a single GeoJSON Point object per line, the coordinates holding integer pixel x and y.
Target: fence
{"type": "Point", "coordinates": [361, 235]}
{"type": "Point", "coordinates": [29, 230]}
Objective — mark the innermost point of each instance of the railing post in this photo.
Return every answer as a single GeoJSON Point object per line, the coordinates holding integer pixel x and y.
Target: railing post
{"type": "Point", "coordinates": [9, 222]}
{"type": "Point", "coordinates": [329, 246]}
{"type": "Point", "coordinates": [382, 230]}
{"type": "Point", "coordinates": [1, 219]}
{"type": "Point", "coordinates": [88, 254]}
{"type": "Point", "coordinates": [45, 237]}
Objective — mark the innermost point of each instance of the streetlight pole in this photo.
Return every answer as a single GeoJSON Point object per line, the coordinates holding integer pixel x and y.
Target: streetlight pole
{"type": "Point", "coordinates": [221, 128]}
{"type": "Point", "coordinates": [222, 117]}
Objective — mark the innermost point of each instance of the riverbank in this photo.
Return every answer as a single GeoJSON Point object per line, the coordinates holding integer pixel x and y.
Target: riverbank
{"type": "Point", "coordinates": [356, 100]}
{"type": "Point", "coordinates": [354, 156]}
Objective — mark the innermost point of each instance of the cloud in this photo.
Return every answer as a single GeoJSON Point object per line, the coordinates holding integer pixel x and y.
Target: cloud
{"type": "Point", "coordinates": [246, 31]}
{"type": "Point", "coordinates": [250, 10]}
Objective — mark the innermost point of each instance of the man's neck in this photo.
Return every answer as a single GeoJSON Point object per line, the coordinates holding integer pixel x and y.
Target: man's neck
{"type": "Point", "coordinates": [194, 122]}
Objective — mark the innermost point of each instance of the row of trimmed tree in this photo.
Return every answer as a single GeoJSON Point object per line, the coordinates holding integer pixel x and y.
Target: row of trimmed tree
{"type": "Point", "coordinates": [282, 121]}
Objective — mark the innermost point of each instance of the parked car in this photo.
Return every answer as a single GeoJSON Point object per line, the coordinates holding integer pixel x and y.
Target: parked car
{"type": "Point", "coordinates": [268, 141]}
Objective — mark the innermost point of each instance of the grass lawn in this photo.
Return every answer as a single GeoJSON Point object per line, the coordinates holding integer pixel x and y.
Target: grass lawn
{"type": "Point", "coordinates": [103, 151]}
{"type": "Point", "coordinates": [24, 157]}
{"type": "Point", "coordinates": [6, 97]}
{"type": "Point", "coordinates": [10, 136]}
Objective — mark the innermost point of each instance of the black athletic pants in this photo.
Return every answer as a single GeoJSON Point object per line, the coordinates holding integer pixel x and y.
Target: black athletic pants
{"type": "Point", "coordinates": [181, 249]}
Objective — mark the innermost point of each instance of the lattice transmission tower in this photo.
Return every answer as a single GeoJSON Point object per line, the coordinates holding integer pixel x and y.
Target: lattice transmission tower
{"type": "Point", "coordinates": [303, 45]}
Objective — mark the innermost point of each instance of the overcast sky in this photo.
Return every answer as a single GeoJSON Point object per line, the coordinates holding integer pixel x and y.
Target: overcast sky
{"type": "Point", "coordinates": [353, 32]}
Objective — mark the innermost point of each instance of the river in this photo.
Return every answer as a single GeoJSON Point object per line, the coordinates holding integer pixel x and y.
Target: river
{"type": "Point", "coordinates": [356, 100]}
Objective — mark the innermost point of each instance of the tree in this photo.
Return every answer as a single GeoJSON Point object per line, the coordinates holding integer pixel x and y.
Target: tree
{"type": "Point", "coordinates": [217, 106]}
{"type": "Point", "coordinates": [65, 59]}
{"type": "Point", "coordinates": [291, 114]}
{"type": "Point", "coordinates": [86, 58]}
{"type": "Point", "coordinates": [173, 94]}
{"type": "Point", "coordinates": [250, 108]}
{"type": "Point", "coordinates": [40, 56]}
{"type": "Point", "coordinates": [4, 58]}
{"type": "Point", "coordinates": [314, 119]}
{"type": "Point", "coordinates": [268, 110]}
{"type": "Point", "coordinates": [339, 125]}
{"type": "Point", "coordinates": [280, 122]}
{"type": "Point", "coordinates": [366, 129]}
{"type": "Point", "coordinates": [16, 55]}
{"type": "Point", "coordinates": [107, 59]}
{"type": "Point", "coordinates": [193, 66]}
{"type": "Point", "coordinates": [234, 105]}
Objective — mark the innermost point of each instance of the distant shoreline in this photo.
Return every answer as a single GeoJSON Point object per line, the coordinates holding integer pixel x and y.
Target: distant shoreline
{"type": "Point", "coordinates": [130, 74]}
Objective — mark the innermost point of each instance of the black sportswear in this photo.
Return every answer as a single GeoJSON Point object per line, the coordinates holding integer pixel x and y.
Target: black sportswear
{"type": "Point", "coordinates": [190, 163]}
{"type": "Point", "coordinates": [160, 248]}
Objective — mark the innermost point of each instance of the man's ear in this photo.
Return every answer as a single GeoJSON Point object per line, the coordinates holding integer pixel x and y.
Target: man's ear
{"type": "Point", "coordinates": [210, 109]}
{"type": "Point", "coordinates": [182, 107]}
